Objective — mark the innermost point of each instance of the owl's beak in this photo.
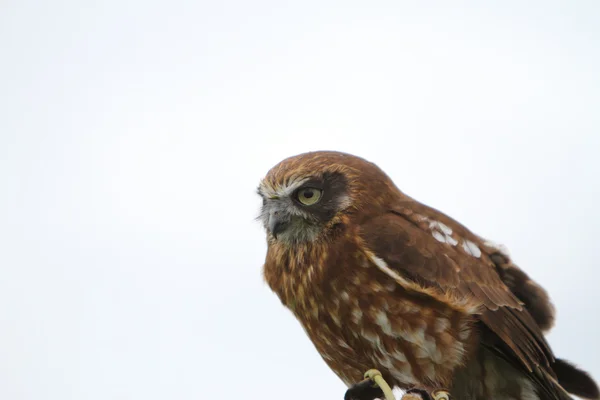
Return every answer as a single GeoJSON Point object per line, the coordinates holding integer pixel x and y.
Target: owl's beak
{"type": "Point", "coordinates": [277, 223]}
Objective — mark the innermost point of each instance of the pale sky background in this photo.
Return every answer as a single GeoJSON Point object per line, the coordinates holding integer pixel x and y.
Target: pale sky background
{"type": "Point", "coordinates": [133, 135]}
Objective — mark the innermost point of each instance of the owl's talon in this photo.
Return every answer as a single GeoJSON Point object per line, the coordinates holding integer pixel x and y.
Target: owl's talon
{"type": "Point", "coordinates": [440, 394]}
{"type": "Point", "coordinates": [376, 377]}
{"type": "Point", "coordinates": [371, 374]}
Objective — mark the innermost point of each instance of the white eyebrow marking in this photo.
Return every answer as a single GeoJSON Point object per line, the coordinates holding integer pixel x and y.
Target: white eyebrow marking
{"type": "Point", "coordinates": [273, 192]}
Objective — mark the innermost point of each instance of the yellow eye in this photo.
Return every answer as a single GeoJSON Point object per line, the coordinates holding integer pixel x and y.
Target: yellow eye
{"type": "Point", "coordinates": [309, 196]}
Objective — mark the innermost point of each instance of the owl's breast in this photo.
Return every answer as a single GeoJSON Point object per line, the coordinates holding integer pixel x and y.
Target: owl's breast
{"type": "Point", "coordinates": [360, 318]}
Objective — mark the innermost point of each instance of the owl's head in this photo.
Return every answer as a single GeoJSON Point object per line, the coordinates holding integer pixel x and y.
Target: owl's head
{"type": "Point", "coordinates": [312, 195]}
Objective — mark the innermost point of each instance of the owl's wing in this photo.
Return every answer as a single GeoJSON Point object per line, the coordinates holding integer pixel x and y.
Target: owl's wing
{"type": "Point", "coordinates": [427, 252]}
{"type": "Point", "coordinates": [534, 296]}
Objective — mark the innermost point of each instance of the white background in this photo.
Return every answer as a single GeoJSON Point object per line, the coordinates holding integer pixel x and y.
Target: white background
{"type": "Point", "coordinates": [133, 135]}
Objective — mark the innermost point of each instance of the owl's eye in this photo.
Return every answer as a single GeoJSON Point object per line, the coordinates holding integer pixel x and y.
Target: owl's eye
{"type": "Point", "coordinates": [309, 196]}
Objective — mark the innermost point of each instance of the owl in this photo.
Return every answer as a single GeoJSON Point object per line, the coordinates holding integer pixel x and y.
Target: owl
{"type": "Point", "coordinates": [381, 281]}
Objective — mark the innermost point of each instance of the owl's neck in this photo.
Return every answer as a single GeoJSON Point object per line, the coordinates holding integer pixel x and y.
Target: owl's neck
{"type": "Point", "coordinates": [296, 273]}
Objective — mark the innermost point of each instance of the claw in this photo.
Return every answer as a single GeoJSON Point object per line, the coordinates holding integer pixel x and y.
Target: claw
{"type": "Point", "coordinates": [372, 387]}
{"type": "Point", "coordinates": [375, 376]}
{"type": "Point", "coordinates": [440, 394]}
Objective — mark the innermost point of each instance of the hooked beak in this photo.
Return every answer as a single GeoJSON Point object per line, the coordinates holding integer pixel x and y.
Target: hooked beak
{"type": "Point", "coordinates": [277, 223]}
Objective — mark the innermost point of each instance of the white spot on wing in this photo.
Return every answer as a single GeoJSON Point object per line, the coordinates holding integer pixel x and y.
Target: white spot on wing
{"type": "Point", "coordinates": [439, 236]}
{"type": "Point", "coordinates": [451, 241]}
{"type": "Point", "coordinates": [471, 248]}
{"type": "Point", "coordinates": [442, 227]}
{"type": "Point", "coordinates": [442, 233]}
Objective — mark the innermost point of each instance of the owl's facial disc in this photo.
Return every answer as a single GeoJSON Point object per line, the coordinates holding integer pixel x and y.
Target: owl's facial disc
{"type": "Point", "coordinates": [299, 211]}
{"type": "Point", "coordinates": [288, 221]}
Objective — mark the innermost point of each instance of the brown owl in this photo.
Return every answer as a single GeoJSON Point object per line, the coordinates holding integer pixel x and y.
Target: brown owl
{"type": "Point", "coordinates": [379, 280]}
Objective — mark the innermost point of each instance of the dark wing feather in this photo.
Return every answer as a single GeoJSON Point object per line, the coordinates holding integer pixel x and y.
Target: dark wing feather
{"type": "Point", "coordinates": [576, 381]}
{"type": "Point", "coordinates": [450, 274]}
{"type": "Point", "coordinates": [534, 296]}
